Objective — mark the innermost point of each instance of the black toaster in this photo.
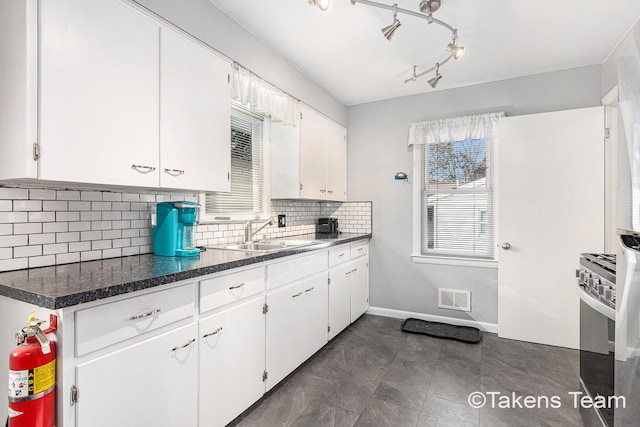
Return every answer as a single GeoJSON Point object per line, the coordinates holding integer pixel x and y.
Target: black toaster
{"type": "Point", "coordinates": [327, 226]}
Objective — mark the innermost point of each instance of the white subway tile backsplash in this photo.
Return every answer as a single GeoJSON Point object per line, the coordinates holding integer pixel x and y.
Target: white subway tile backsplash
{"type": "Point", "coordinates": [47, 226]}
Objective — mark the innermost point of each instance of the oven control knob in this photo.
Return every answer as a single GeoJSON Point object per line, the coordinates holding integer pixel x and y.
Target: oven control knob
{"type": "Point", "coordinates": [601, 289]}
{"type": "Point", "coordinates": [594, 281]}
{"type": "Point", "coordinates": [578, 273]}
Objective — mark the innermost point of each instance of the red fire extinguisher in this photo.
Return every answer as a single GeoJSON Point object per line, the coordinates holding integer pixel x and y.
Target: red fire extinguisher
{"type": "Point", "coordinates": [32, 376]}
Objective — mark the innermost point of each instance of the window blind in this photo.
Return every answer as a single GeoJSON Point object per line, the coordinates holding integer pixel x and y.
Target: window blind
{"type": "Point", "coordinates": [247, 168]}
{"type": "Point", "coordinates": [457, 198]}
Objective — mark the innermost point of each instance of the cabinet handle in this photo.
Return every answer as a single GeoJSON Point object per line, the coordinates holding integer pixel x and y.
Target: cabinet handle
{"type": "Point", "coordinates": [349, 272]}
{"type": "Point", "coordinates": [341, 255]}
{"type": "Point", "coordinates": [360, 249]}
{"type": "Point", "coordinates": [174, 172]}
{"type": "Point", "coordinates": [354, 270]}
{"type": "Point", "coordinates": [296, 295]}
{"type": "Point", "coordinates": [212, 333]}
{"type": "Point", "coordinates": [236, 287]}
{"type": "Point", "coordinates": [141, 316]}
{"type": "Point", "coordinates": [323, 191]}
{"type": "Point", "coordinates": [180, 347]}
{"type": "Point", "coordinates": [330, 191]}
{"type": "Point", "coordinates": [143, 169]}
{"type": "Point", "coordinates": [310, 289]}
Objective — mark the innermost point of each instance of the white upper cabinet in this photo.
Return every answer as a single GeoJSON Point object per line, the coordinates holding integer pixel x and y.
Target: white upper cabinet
{"type": "Point", "coordinates": [195, 115]}
{"type": "Point", "coordinates": [98, 93]}
{"type": "Point", "coordinates": [309, 162]}
{"type": "Point", "coordinates": [111, 96]}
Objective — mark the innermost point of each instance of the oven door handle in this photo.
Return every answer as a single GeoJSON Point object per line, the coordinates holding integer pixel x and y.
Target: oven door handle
{"type": "Point", "coordinates": [598, 306]}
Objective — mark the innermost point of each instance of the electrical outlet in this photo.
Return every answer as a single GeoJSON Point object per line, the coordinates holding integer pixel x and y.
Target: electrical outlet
{"type": "Point", "coordinates": [282, 221]}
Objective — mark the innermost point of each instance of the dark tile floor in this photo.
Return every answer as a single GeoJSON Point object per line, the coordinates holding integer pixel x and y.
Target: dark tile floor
{"type": "Point", "coordinates": [373, 374]}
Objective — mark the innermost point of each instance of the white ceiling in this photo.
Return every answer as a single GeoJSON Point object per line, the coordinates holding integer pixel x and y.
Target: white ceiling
{"type": "Point", "coordinates": [344, 51]}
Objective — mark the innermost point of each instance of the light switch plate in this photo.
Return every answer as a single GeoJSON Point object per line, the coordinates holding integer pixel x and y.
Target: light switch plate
{"type": "Point", "coordinates": [282, 221]}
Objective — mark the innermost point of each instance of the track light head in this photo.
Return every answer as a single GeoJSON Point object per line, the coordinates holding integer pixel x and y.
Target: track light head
{"type": "Point", "coordinates": [433, 82]}
{"type": "Point", "coordinates": [429, 6]}
{"type": "Point", "coordinates": [456, 51]}
{"type": "Point", "coordinates": [390, 30]}
{"type": "Point", "coordinates": [323, 5]}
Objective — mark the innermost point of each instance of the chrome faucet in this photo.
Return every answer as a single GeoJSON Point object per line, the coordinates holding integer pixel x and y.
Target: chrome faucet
{"type": "Point", "coordinates": [249, 232]}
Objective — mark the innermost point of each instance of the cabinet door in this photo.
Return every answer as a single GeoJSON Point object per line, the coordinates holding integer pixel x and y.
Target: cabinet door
{"type": "Point", "coordinates": [336, 162]}
{"type": "Point", "coordinates": [314, 155]}
{"type": "Point", "coordinates": [315, 314]}
{"type": "Point", "coordinates": [284, 332]}
{"type": "Point", "coordinates": [339, 299]}
{"type": "Point", "coordinates": [152, 383]}
{"type": "Point", "coordinates": [231, 362]}
{"type": "Point", "coordinates": [359, 288]}
{"type": "Point", "coordinates": [195, 115]}
{"type": "Point", "coordinates": [98, 93]}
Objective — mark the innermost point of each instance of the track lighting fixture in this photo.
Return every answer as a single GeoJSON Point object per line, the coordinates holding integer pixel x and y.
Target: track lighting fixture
{"type": "Point", "coordinates": [433, 82]}
{"type": "Point", "coordinates": [390, 30]}
{"type": "Point", "coordinates": [427, 8]}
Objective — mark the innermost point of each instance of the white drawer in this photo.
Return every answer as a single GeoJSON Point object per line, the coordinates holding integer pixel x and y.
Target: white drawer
{"type": "Point", "coordinates": [359, 249]}
{"type": "Point", "coordinates": [294, 269]}
{"type": "Point", "coordinates": [339, 255]}
{"type": "Point", "coordinates": [110, 323]}
{"type": "Point", "coordinates": [222, 290]}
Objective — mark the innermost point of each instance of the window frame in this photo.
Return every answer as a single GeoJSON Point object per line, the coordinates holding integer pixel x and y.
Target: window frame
{"type": "Point", "coordinates": [421, 258]}
{"type": "Point", "coordinates": [219, 218]}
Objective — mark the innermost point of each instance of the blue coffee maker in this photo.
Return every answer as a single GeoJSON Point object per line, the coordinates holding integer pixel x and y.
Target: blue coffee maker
{"type": "Point", "coordinates": [174, 228]}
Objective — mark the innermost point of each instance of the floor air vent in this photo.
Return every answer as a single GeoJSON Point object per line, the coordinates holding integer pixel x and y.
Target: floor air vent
{"type": "Point", "coordinates": [454, 299]}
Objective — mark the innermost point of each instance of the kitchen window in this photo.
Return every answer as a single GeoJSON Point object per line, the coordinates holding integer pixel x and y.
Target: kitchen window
{"type": "Point", "coordinates": [454, 190]}
{"type": "Point", "coordinates": [246, 199]}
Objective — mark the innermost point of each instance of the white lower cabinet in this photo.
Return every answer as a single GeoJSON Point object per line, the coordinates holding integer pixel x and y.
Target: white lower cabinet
{"type": "Point", "coordinates": [151, 383]}
{"type": "Point", "coordinates": [232, 361]}
{"type": "Point", "coordinates": [284, 332]}
{"type": "Point", "coordinates": [339, 299]}
{"type": "Point", "coordinates": [315, 314]}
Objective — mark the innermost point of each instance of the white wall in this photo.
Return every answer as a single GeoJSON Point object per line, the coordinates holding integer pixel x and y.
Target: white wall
{"type": "Point", "coordinates": [377, 149]}
{"type": "Point", "coordinates": [206, 22]}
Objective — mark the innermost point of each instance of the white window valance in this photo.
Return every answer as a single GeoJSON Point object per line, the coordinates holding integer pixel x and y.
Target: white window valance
{"type": "Point", "coordinates": [456, 129]}
{"type": "Point", "coordinates": [263, 97]}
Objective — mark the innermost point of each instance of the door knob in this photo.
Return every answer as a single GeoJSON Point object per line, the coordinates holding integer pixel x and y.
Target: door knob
{"type": "Point", "coordinates": [506, 246]}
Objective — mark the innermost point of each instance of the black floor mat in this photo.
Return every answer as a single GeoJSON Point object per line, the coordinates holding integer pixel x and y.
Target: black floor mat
{"type": "Point", "coordinates": [442, 330]}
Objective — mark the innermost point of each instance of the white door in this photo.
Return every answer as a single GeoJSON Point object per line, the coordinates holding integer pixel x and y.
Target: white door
{"type": "Point", "coordinates": [152, 383]}
{"type": "Point", "coordinates": [195, 115]}
{"type": "Point", "coordinates": [550, 210]}
{"type": "Point", "coordinates": [284, 332]}
{"type": "Point", "coordinates": [336, 162]}
{"type": "Point", "coordinates": [359, 288]}
{"type": "Point", "coordinates": [98, 93]}
{"type": "Point", "coordinates": [339, 299]}
{"type": "Point", "coordinates": [314, 155]}
{"type": "Point", "coordinates": [231, 362]}
{"type": "Point", "coordinates": [315, 314]}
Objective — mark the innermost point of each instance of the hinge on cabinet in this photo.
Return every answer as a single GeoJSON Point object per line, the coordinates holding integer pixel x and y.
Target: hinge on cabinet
{"type": "Point", "coordinates": [75, 395]}
{"type": "Point", "coordinates": [228, 78]}
{"type": "Point", "coordinates": [228, 176]}
{"type": "Point", "coordinates": [301, 186]}
{"type": "Point", "coordinates": [607, 133]}
{"type": "Point", "coordinates": [265, 375]}
{"type": "Point", "coordinates": [328, 328]}
{"type": "Point", "coordinates": [265, 309]}
{"type": "Point", "coordinates": [300, 115]}
{"type": "Point", "coordinates": [328, 280]}
{"type": "Point", "coordinates": [36, 151]}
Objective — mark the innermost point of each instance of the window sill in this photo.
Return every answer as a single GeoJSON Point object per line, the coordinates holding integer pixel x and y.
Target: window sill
{"type": "Point", "coordinates": [462, 262]}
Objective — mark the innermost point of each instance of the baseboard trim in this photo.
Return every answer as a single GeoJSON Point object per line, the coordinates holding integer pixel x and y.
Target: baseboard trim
{"type": "Point", "coordinates": [399, 314]}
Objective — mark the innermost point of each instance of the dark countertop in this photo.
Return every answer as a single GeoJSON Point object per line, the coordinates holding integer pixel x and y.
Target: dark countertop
{"type": "Point", "coordinates": [71, 284]}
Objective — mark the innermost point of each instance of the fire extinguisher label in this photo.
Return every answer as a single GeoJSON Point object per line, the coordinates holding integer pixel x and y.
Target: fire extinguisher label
{"type": "Point", "coordinates": [32, 381]}
{"type": "Point", "coordinates": [13, 413]}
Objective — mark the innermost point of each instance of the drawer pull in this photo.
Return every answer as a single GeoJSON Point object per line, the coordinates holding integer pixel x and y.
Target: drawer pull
{"type": "Point", "coordinates": [341, 255]}
{"type": "Point", "coordinates": [310, 289]}
{"type": "Point", "coordinates": [141, 316]}
{"type": "Point", "coordinates": [180, 347]}
{"type": "Point", "coordinates": [349, 272]}
{"type": "Point", "coordinates": [236, 287]}
{"type": "Point", "coordinates": [354, 270]}
{"type": "Point", "coordinates": [212, 333]}
{"type": "Point", "coordinates": [143, 169]}
{"type": "Point", "coordinates": [174, 172]}
{"type": "Point", "coordinates": [296, 295]}
{"type": "Point", "coordinates": [360, 249]}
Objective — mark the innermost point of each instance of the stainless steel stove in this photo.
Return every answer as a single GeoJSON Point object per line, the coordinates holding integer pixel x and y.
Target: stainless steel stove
{"type": "Point", "coordinates": [597, 292]}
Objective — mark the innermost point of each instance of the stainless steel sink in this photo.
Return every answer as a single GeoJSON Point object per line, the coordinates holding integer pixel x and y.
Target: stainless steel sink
{"type": "Point", "coordinates": [266, 246]}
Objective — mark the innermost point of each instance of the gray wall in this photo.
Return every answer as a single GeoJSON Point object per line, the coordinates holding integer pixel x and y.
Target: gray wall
{"type": "Point", "coordinates": [377, 149]}
{"type": "Point", "coordinates": [206, 22]}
